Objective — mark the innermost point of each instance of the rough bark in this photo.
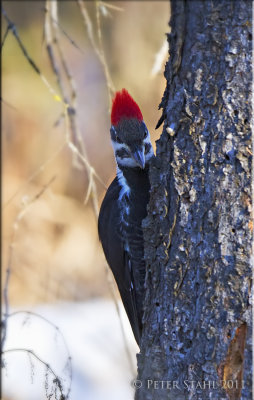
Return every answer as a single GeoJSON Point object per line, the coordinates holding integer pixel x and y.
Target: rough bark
{"type": "Point", "coordinates": [198, 233]}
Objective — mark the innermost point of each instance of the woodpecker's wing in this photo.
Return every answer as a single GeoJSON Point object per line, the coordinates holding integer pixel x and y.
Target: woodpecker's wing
{"type": "Point", "coordinates": [116, 256]}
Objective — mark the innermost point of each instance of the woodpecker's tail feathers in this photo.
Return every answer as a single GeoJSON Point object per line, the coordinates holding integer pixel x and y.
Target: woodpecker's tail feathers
{"type": "Point", "coordinates": [124, 106]}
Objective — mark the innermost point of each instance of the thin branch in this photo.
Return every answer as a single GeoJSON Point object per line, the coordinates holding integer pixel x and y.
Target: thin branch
{"type": "Point", "coordinates": [99, 51]}
{"type": "Point", "coordinates": [73, 135]}
{"type": "Point", "coordinates": [34, 314]}
{"type": "Point", "coordinates": [57, 380]}
{"type": "Point", "coordinates": [35, 174]}
{"type": "Point", "coordinates": [84, 160]}
{"type": "Point", "coordinates": [72, 42]}
{"type": "Point", "coordinates": [53, 41]}
{"type": "Point", "coordinates": [49, 46]}
{"type": "Point", "coordinates": [111, 88]}
{"type": "Point", "coordinates": [6, 303]}
{"type": "Point", "coordinates": [110, 6]}
{"type": "Point", "coordinates": [8, 104]}
{"type": "Point", "coordinates": [16, 223]}
{"type": "Point", "coordinates": [113, 294]}
{"type": "Point", "coordinates": [12, 27]}
{"type": "Point", "coordinates": [5, 35]}
{"type": "Point", "coordinates": [88, 25]}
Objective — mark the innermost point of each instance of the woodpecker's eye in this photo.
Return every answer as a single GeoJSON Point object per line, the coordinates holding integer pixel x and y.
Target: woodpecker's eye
{"type": "Point", "coordinates": [114, 136]}
{"type": "Point", "coordinates": [146, 130]}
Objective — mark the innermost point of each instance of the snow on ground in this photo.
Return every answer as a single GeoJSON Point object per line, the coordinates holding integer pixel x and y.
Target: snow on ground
{"type": "Point", "coordinates": [91, 330]}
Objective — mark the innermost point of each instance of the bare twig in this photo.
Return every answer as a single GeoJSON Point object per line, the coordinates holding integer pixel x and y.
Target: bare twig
{"type": "Point", "coordinates": [8, 104]}
{"type": "Point", "coordinates": [57, 380]}
{"type": "Point", "coordinates": [72, 42]}
{"type": "Point", "coordinates": [50, 8]}
{"type": "Point", "coordinates": [5, 35]}
{"type": "Point", "coordinates": [12, 27]}
{"type": "Point", "coordinates": [99, 51]}
{"type": "Point", "coordinates": [34, 314]}
{"type": "Point", "coordinates": [51, 32]}
{"type": "Point", "coordinates": [53, 42]}
{"type": "Point", "coordinates": [16, 223]}
{"type": "Point", "coordinates": [110, 85]}
{"type": "Point", "coordinates": [113, 294]}
{"type": "Point", "coordinates": [111, 6]}
{"type": "Point", "coordinates": [59, 332]}
{"type": "Point", "coordinates": [6, 304]}
{"type": "Point", "coordinates": [7, 315]}
{"type": "Point", "coordinates": [73, 134]}
{"type": "Point", "coordinates": [86, 163]}
{"type": "Point", "coordinates": [35, 174]}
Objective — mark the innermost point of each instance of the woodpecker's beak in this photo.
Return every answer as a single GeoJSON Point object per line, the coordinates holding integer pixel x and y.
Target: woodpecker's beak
{"type": "Point", "coordinates": [139, 156]}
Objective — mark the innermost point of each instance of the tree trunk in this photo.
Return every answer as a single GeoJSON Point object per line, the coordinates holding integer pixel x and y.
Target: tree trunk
{"type": "Point", "coordinates": [196, 341]}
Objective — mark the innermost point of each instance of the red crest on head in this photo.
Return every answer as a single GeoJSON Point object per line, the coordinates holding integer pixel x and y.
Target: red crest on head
{"type": "Point", "coordinates": [124, 106]}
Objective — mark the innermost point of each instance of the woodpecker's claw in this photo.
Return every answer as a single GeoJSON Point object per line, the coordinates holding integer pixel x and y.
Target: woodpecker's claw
{"type": "Point", "coordinates": [139, 157]}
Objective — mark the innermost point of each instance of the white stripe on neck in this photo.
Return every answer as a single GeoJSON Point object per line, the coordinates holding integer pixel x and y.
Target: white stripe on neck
{"type": "Point", "coordinates": [125, 189]}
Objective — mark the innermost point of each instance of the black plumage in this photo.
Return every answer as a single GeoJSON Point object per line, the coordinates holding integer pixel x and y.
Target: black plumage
{"type": "Point", "coordinates": [121, 236]}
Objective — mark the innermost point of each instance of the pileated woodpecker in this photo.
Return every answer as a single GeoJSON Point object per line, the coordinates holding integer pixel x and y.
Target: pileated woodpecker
{"type": "Point", "coordinates": [124, 206]}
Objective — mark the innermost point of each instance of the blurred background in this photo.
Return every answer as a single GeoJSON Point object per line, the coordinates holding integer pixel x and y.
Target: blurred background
{"type": "Point", "coordinates": [55, 169]}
